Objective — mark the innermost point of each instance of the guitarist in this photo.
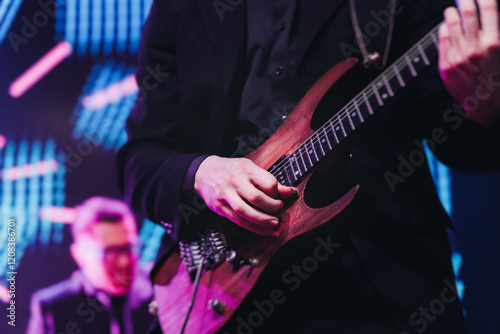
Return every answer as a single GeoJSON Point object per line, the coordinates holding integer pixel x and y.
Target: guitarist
{"type": "Point", "coordinates": [217, 77]}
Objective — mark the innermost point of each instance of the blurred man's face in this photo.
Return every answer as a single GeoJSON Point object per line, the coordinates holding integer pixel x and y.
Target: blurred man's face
{"type": "Point", "coordinates": [108, 257]}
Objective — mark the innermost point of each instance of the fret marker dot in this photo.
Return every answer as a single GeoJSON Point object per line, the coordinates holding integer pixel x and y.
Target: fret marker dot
{"type": "Point", "coordinates": [416, 60]}
{"type": "Point", "coordinates": [297, 172]}
{"type": "Point", "coordinates": [311, 152]}
{"type": "Point", "coordinates": [353, 114]}
{"type": "Point", "coordinates": [322, 140]}
{"type": "Point", "coordinates": [384, 96]}
{"type": "Point", "coordinates": [337, 128]}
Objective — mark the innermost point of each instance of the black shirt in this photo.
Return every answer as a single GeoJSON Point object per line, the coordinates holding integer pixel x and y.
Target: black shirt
{"type": "Point", "coordinates": [271, 63]}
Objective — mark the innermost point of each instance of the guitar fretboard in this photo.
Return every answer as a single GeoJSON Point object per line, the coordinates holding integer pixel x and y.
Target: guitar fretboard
{"type": "Point", "coordinates": [371, 99]}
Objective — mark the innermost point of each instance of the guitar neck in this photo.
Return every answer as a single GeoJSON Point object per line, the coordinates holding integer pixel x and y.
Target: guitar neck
{"type": "Point", "coordinates": [364, 105]}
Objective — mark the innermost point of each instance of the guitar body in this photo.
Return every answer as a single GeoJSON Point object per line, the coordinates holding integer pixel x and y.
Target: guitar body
{"type": "Point", "coordinates": [229, 284]}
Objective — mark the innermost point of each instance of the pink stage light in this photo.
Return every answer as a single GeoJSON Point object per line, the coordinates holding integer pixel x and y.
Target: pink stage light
{"type": "Point", "coordinates": [39, 69]}
{"type": "Point", "coordinates": [111, 94]}
{"type": "Point", "coordinates": [3, 141]}
{"type": "Point", "coordinates": [57, 214]}
{"type": "Point", "coordinates": [30, 170]}
{"type": "Point", "coordinates": [4, 294]}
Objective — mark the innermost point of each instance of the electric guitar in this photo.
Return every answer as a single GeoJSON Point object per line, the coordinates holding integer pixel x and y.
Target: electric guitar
{"type": "Point", "coordinates": [203, 281]}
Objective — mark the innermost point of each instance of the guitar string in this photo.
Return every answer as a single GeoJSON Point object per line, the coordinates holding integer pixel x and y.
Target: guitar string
{"type": "Point", "coordinates": [348, 110]}
{"type": "Point", "coordinates": [351, 107]}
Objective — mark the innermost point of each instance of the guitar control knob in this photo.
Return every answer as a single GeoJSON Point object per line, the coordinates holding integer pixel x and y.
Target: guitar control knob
{"type": "Point", "coordinates": [216, 305]}
{"type": "Point", "coordinates": [231, 256]}
{"type": "Point", "coordinates": [239, 261]}
{"type": "Point", "coordinates": [253, 262]}
{"type": "Point", "coordinates": [153, 307]}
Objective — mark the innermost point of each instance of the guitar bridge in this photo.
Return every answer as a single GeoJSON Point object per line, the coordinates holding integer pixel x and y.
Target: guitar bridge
{"type": "Point", "coordinates": [212, 247]}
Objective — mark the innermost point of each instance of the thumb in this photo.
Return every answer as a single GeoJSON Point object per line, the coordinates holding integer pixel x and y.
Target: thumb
{"type": "Point", "coordinates": [286, 192]}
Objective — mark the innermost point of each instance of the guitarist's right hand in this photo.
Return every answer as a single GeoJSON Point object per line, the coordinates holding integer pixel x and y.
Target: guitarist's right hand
{"type": "Point", "coordinates": [241, 191]}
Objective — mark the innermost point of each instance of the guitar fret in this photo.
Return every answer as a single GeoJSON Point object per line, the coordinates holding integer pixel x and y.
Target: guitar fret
{"type": "Point", "coordinates": [435, 40]}
{"type": "Point", "coordinates": [321, 146]}
{"type": "Point", "coordinates": [313, 148]}
{"type": "Point", "coordinates": [359, 112]}
{"type": "Point", "coordinates": [330, 134]}
{"type": "Point", "coordinates": [335, 134]}
{"type": "Point", "coordinates": [316, 150]}
{"type": "Point", "coordinates": [355, 120]}
{"type": "Point", "coordinates": [430, 51]}
{"type": "Point", "coordinates": [297, 163]}
{"type": "Point", "coordinates": [303, 161]}
{"type": "Point", "coordinates": [294, 173]}
{"type": "Point", "coordinates": [410, 66]}
{"type": "Point", "coordinates": [389, 89]}
{"type": "Point", "coordinates": [418, 63]}
{"type": "Point", "coordinates": [341, 126]}
{"type": "Point", "coordinates": [309, 156]}
{"type": "Point", "coordinates": [424, 56]}
{"type": "Point", "coordinates": [406, 73]}
{"type": "Point", "coordinates": [350, 120]}
{"type": "Point", "coordinates": [326, 137]}
{"type": "Point", "coordinates": [370, 110]}
{"type": "Point", "coordinates": [281, 173]}
{"type": "Point", "coordinates": [377, 95]}
{"type": "Point", "coordinates": [312, 152]}
{"type": "Point", "coordinates": [394, 84]}
{"type": "Point", "coordinates": [398, 76]}
{"type": "Point", "coordinates": [346, 124]}
{"type": "Point", "coordinates": [282, 177]}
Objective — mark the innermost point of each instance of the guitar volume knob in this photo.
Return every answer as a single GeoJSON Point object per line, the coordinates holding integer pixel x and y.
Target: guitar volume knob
{"type": "Point", "coordinates": [231, 256]}
{"type": "Point", "coordinates": [216, 305]}
{"type": "Point", "coordinates": [253, 262]}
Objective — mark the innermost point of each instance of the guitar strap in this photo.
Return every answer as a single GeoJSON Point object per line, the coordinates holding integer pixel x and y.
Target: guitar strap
{"type": "Point", "coordinates": [378, 22]}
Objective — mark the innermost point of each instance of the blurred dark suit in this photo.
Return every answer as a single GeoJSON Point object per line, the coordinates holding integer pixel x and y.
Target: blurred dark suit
{"type": "Point", "coordinates": [74, 306]}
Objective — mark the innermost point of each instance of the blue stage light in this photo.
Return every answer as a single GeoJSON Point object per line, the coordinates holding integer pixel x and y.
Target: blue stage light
{"type": "Point", "coordinates": [96, 31]}
{"type": "Point", "coordinates": [441, 176]}
{"type": "Point", "coordinates": [105, 104]}
{"type": "Point", "coordinates": [442, 180]}
{"type": "Point", "coordinates": [150, 235]}
{"type": "Point", "coordinates": [8, 11]}
{"type": "Point", "coordinates": [32, 178]}
{"type": "Point", "coordinates": [83, 26]}
{"type": "Point", "coordinates": [102, 27]}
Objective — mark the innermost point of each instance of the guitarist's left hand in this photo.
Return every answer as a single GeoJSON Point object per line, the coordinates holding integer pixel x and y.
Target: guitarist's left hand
{"type": "Point", "coordinates": [469, 58]}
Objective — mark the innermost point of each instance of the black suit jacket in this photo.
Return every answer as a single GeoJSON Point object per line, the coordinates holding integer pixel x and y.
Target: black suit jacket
{"type": "Point", "coordinates": [74, 305]}
{"type": "Point", "coordinates": [192, 68]}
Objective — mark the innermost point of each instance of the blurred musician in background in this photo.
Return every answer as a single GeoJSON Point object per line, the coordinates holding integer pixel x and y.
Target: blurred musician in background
{"type": "Point", "coordinates": [109, 293]}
